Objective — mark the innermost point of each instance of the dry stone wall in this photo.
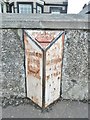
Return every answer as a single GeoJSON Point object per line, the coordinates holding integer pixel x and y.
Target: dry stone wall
{"type": "Point", "coordinates": [74, 71]}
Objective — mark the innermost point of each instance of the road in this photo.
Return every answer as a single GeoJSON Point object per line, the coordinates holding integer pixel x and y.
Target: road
{"type": "Point", "coordinates": [62, 109]}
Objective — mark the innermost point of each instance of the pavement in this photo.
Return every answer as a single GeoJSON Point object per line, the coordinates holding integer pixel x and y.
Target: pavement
{"type": "Point", "coordinates": [62, 109]}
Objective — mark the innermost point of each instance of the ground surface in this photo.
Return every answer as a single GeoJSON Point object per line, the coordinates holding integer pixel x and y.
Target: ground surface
{"type": "Point", "coordinates": [62, 109]}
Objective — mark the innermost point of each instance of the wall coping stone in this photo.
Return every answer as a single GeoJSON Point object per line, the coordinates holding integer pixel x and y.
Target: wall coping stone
{"type": "Point", "coordinates": [45, 21]}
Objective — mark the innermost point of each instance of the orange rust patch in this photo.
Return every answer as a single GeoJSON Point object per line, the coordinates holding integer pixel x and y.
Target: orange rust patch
{"type": "Point", "coordinates": [34, 70]}
{"type": "Point", "coordinates": [33, 59]}
{"type": "Point", "coordinates": [36, 54]}
{"type": "Point", "coordinates": [33, 64]}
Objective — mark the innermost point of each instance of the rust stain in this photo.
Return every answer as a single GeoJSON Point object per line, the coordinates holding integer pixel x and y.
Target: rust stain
{"type": "Point", "coordinates": [35, 99]}
{"type": "Point", "coordinates": [53, 61]}
{"type": "Point", "coordinates": [54, 74]}
{"type": "Point", "coordinates": [36, 54]}
{"type": "Point", "coordinates": [34, 68]}
{"type": "Point", "coordinates": [48, 77]}
{"type": "Point", "coordinates": [25, 39]}
{"type": "Point", "coordinates": [33, 59]}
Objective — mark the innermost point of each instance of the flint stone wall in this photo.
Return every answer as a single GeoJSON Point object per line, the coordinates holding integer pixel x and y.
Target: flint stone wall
{"type": "Point", "coordinates": [74, 71]}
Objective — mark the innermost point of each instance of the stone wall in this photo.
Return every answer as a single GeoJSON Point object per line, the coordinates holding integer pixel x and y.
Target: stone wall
{"type": "Point", "coordinates": [74, 72]}
{"type": "Point", "coordinates": [13, 83]}
{"type": "Point", "coordinates": [75, 65]}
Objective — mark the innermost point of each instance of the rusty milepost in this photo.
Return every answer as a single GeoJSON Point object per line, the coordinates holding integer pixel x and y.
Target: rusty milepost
{"type": "Point", "coordinates": [43, 63]}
